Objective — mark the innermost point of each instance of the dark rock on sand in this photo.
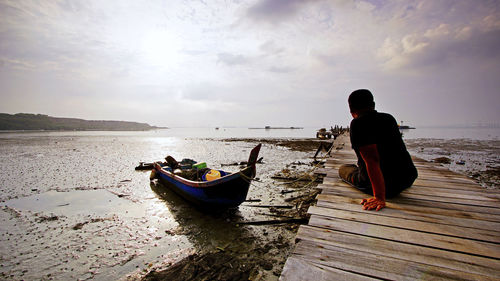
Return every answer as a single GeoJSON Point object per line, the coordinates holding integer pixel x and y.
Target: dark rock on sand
{"type": "Point", "coordinates": [442, 160]}
{"type": "Point", "coordinates": [47, 218]}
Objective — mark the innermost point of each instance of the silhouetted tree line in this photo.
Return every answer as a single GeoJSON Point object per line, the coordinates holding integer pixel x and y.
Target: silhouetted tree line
{"type": "Point", "coordinates": [25, 121]}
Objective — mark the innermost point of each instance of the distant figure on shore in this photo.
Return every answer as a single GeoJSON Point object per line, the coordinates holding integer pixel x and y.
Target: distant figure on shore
{"type": "Point", "coordinates": [384, 165]}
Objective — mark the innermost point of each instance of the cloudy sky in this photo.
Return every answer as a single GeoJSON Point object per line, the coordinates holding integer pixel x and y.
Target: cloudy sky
{"type": "Point", "coordinates": [251, 63]}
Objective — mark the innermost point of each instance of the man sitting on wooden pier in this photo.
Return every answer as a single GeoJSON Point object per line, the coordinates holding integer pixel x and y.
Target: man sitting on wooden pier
{"type": "Point", "coordinates": [384, 165]}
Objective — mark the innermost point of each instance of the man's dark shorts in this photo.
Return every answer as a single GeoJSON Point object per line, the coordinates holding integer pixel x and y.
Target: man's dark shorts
{"type": "Point", "coordinates": [351, 174]}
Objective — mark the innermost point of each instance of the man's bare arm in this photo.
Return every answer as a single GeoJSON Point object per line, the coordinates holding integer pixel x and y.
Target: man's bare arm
{"type": "Point", "coordinates": [370, 156]}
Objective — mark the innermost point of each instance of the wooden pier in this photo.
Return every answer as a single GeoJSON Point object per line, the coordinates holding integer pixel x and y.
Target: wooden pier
{"type": "Point", "coordinates": [445, 227]}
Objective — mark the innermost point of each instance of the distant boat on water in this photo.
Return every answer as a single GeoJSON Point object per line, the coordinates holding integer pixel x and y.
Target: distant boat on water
{"type": "Point", "coordinates": [404, 127]}
{"type": "Point", "coordinates": [280, 128]}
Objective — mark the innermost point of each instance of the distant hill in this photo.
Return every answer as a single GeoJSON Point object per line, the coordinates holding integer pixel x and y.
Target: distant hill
{"type": "Point", "coordinates": [25, 121]}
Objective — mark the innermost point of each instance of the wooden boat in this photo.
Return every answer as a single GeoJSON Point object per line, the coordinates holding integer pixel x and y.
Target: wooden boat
{"type": "Point", "coordinates": [227, 191]}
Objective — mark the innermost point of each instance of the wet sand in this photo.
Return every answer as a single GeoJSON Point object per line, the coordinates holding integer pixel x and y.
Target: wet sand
{"type": "Point", "coordinates": [100, 219]}
{"type": "Point", "coordinates": [304, 145]}
{"type": "Point", "coordinates": [73, 207]}
{"type": "Point", "coordinates": [478, 159]}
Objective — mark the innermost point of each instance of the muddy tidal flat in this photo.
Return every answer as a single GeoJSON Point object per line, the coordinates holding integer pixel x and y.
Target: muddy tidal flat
{"type": "Point", "coordinates": [478, 159]}
{"type": "Point", "coordinates": [72, 207]}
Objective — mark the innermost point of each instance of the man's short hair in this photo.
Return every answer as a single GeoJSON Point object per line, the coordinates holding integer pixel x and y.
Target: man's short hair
{"type": "Point", "coordinates": [361, 99]}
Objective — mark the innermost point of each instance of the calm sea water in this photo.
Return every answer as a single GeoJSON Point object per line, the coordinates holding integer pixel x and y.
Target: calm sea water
{"type": "Point", "coordinates": [477, 133]}
{"type": "Point", "coordinates": [73, 207]}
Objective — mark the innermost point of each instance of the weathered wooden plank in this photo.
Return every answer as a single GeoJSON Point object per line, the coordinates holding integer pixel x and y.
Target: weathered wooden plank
{"type": "Point", "coordinates": [429, 182]}
{"type": "Point", "coordinates": [381, 266]}
{"type": "Point", "coordinates": [380, 247]}
{"type": "Point", "coordinates": [298, 269]}
{"type": "Point", "coordinates": [433, 181]}
{"type": "Point", "coordinates": [336, 166]}
{"type": "Point", "coordinates": [353, 193]}
{"type": "Point", "coordinates": [494, 203]}
{"type": "Point", "coordinates": [447, 190]}
{"type": "Point", "coordinates": [449, 179]}
{"type": "Point", "coordinates": [461, 194]}
{"type": "Point", "coordinates": [424, 169]}
{"type": "Point", "coordinates": [444, 174]}
{"type": "Point", "coordinates": [443, 182]}
{"type": "Point", "coordinates": [342, 159]}
{"type": "Point", "coordinates": [487, 206]}
{"type": "Point", "coordinates": [441, 216]}
{"type": "Point", "coordinates": [421, 167]}
{"type": "Point", "coordinates": [480, 248]}
{"type": "Point", "coordinates": [440, 170]}
{"type": "Point", "coordinates": [321, 171]}
{"type": "Point", "coordinates": [409, 224]}
{"type": "Point", "coordinates": [450, 189]}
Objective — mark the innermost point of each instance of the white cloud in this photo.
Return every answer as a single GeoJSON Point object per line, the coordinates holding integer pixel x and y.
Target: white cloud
{"type": "Point", "coordinates": [16, 64]}
{"type": "Point", "coordinates": [440, 31]}
{"type": "Point", "coordinates": [365, 6]}
{"type": "Point", "coordinates": [262, 54]}
{"type": "Point", "coordinates": [276, 11]}
{"type": "Point", "coordinates": [231, 59]}
{"type": "Point", "coordinates": [441, 40]}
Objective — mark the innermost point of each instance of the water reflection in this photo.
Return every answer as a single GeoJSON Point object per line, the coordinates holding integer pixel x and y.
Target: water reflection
{"type": "Point", "coordinates": [206, 230]}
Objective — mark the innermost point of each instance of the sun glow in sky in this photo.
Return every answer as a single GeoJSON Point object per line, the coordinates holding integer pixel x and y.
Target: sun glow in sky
{"type": "Point", "coordinates": [251, 63]}
{"type": "Point", "coordinates": [162, 48]}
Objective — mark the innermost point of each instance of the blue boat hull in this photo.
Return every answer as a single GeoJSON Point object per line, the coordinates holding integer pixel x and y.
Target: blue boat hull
{"type": "Point", "coordinates": [226, 192]}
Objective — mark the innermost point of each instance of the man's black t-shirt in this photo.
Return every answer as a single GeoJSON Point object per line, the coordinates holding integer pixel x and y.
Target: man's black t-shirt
{"type": "Point", "coordinates": [395, 161]}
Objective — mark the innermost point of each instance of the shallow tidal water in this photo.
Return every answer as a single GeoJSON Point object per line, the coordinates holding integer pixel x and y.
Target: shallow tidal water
{"type": "Point", "coordinates": [72, 207]}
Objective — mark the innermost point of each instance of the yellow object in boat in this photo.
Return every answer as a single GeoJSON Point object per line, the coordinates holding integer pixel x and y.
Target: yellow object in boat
{"type": "Point", "coordinates": [211, 175]}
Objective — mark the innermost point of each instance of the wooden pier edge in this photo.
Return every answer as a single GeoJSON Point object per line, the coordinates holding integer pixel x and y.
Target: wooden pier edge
{"type": "Point", "coordinates": [445, 227]}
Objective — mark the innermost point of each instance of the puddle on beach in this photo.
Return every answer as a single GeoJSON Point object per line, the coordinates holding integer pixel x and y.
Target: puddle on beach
{"type": "Point", "coordinates": [89, 234]}
{"type": "Point", "coordinates": [76, 202]}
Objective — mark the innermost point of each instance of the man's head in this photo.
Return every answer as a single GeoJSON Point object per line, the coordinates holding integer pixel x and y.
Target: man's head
{"type": "Point", "coordinates": [360, 101]}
